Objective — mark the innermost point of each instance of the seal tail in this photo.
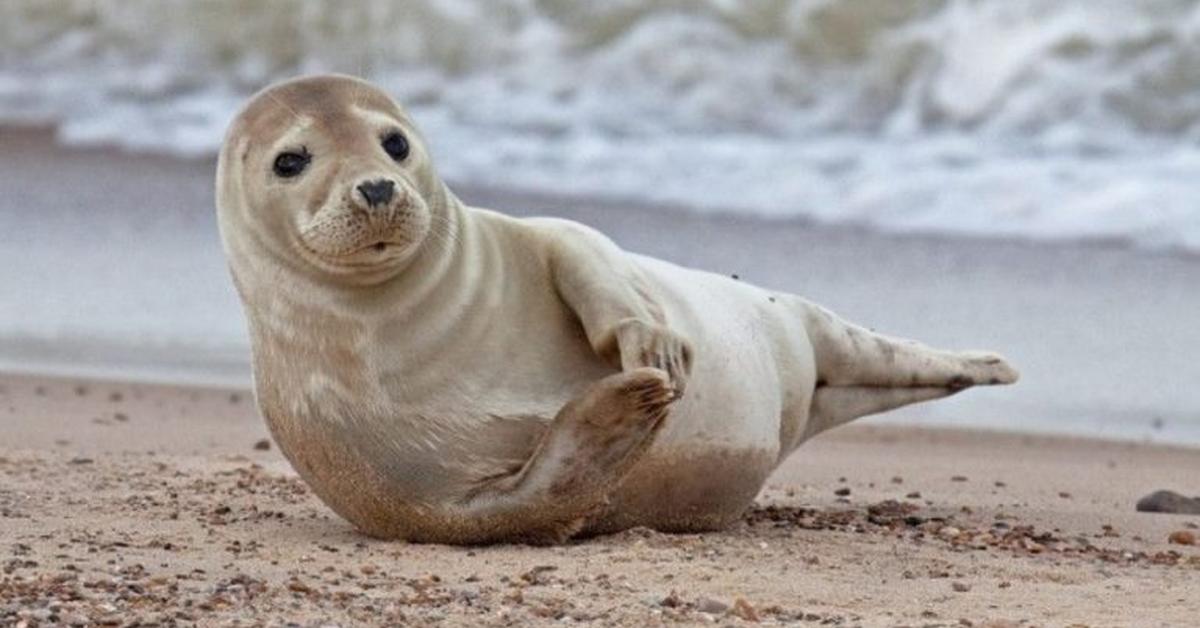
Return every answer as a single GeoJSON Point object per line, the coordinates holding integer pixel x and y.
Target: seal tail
{"type": "Point", "coordinates": [860, 372]}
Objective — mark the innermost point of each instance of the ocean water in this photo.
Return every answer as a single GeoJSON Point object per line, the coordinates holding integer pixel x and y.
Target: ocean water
{"type": "Point", "coordinates": [1047, 119]}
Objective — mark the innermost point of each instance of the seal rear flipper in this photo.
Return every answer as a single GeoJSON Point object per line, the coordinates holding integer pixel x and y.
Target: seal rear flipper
{"type": "Point", "coordinates": [835, 405]}
{"type": "Point", "coordinates": [849, 355]}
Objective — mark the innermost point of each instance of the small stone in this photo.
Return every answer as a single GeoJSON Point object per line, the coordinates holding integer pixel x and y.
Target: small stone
{"type": "Point", "coordinates": [709, 605]}
{"type": "Point", "coordinates": [958, 478]}
{"type": "Point", "coordinates": [263, 445]}
{"type": "Point", "coordinates": [842, 492]}
{"type": "Point", "coordinates": [1182, 537]}
{"type": "Point", "coordinates": [672, 600]}
{"type": "Point", "coordinates": [1169, 502]}
{"type": "Point", "coordinates": [538, 574]}
{"type": "Point", "coordinates": [743, 609]}
{"type": "Point", "coordinates": [960, 587]}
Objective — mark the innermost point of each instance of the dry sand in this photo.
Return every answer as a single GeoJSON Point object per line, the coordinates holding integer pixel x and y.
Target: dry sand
{"type": "Point", "coordinates": [134, 503]}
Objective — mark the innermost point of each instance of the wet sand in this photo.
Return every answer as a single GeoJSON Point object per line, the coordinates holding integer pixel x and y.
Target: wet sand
{"type": "Point", "coordinates": [124, 503]}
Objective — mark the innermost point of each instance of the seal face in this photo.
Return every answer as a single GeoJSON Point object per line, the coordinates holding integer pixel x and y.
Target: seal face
{"type": "Point", "coordinates": [438, 372]}
{"type": "Point", "coordinates": [336, 176]}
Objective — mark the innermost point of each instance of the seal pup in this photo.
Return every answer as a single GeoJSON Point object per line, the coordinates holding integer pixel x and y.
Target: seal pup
{"type": "Point", "coordinates": [444, 373]}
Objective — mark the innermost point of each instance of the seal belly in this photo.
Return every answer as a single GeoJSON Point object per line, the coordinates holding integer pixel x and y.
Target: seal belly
{"type": "Point", "coordinates": [686, 489]}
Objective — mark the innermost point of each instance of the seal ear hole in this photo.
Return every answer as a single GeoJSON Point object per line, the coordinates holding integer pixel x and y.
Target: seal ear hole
{"type": "Point", "coordinates": [395, 145]}
{"type": "Point", "coordinates": [289, 164]}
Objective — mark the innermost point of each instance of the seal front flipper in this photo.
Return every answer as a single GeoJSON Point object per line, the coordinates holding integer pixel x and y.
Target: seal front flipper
{"type": "Point", "coordinates": [591, 445]}
{"type": "Point", "coordinates": [608, 293]}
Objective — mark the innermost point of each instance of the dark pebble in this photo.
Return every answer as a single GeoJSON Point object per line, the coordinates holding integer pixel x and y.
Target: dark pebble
{"type": "Point", "coordinates": [1169, 502]}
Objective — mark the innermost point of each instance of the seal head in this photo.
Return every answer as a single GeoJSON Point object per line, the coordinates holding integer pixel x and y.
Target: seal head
{"type": "Point", "coordinates": [328, 177]}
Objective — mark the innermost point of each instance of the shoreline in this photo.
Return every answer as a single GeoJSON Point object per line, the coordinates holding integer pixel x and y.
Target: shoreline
{"type": "Point", "coordinates": [503, 199]}
{"type": "Point", "coordinates": [164, 503]}
{"type": "Point", "coordinates": [873, 427]}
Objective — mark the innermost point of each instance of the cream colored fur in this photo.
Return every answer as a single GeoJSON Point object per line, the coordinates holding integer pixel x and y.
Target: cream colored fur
{"type": "Point", "coordinates": [438, 372]}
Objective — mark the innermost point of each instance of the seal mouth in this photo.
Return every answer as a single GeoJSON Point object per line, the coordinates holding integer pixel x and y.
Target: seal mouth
{"type": "Point", "coordinates": [374, 253]}
{"type": "Point", "coordinates": [378, 244]}
{"type": "Point", "coordinates": [346, 238]}
{"type": "Point", "coordinates": [370, 253]}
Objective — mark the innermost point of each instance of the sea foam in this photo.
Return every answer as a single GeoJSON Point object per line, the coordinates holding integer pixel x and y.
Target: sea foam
{"type": "Point", "coordinates": [1037, 118]}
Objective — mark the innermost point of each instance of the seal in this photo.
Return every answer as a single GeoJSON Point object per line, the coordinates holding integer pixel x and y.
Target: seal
{"type": "Point", "coordinates": [444, 373]}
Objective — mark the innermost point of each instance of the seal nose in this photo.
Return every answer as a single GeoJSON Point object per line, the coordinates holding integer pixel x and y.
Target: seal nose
{"type": "Point", "coordinates": [377, 192]}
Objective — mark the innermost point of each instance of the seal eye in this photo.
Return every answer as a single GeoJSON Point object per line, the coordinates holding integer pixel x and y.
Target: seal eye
{"type": "Point", "coordinates": [288, 165]}
{"type": "Point", "coordinates": [396, 145]}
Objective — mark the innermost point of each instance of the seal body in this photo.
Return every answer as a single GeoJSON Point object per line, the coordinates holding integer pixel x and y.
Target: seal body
{"type": "Point", "coordinates": [438, 372]}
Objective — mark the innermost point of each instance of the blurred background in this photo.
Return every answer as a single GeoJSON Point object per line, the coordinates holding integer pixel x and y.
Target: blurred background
{"type": "Point", "coordinates": [1019, 175]}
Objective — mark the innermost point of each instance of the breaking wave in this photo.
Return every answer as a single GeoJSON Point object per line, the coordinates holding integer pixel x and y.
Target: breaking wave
{"type": "Point", "coordinates": [1034, 118]}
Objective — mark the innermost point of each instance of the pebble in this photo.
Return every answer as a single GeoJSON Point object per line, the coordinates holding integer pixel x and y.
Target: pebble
{"type": "Point", "coordinates": [842, 492]}
{"type": "Point", "coordinates": [960, 587]}
{"type": "Point", "coordinates": [263, 445]}
{"type": "Point", "coordinates": [949, 532]}
{"type": "Point", "coordinates": [743, 609]}
{"type": "Point", "coordinates": [1182, 537]}
{"type": "Point", "coordinates": [1169, 502]}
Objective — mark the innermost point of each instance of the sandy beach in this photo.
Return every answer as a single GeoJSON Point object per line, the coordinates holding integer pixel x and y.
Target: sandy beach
{"type": "Point", "coordinates": [140, 504]}
{"type": "Point", "coordinates": [127, 502]}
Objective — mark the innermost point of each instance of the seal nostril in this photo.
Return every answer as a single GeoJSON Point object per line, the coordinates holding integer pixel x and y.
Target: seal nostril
{"type": "Point", "coordinates": [378, 192]}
